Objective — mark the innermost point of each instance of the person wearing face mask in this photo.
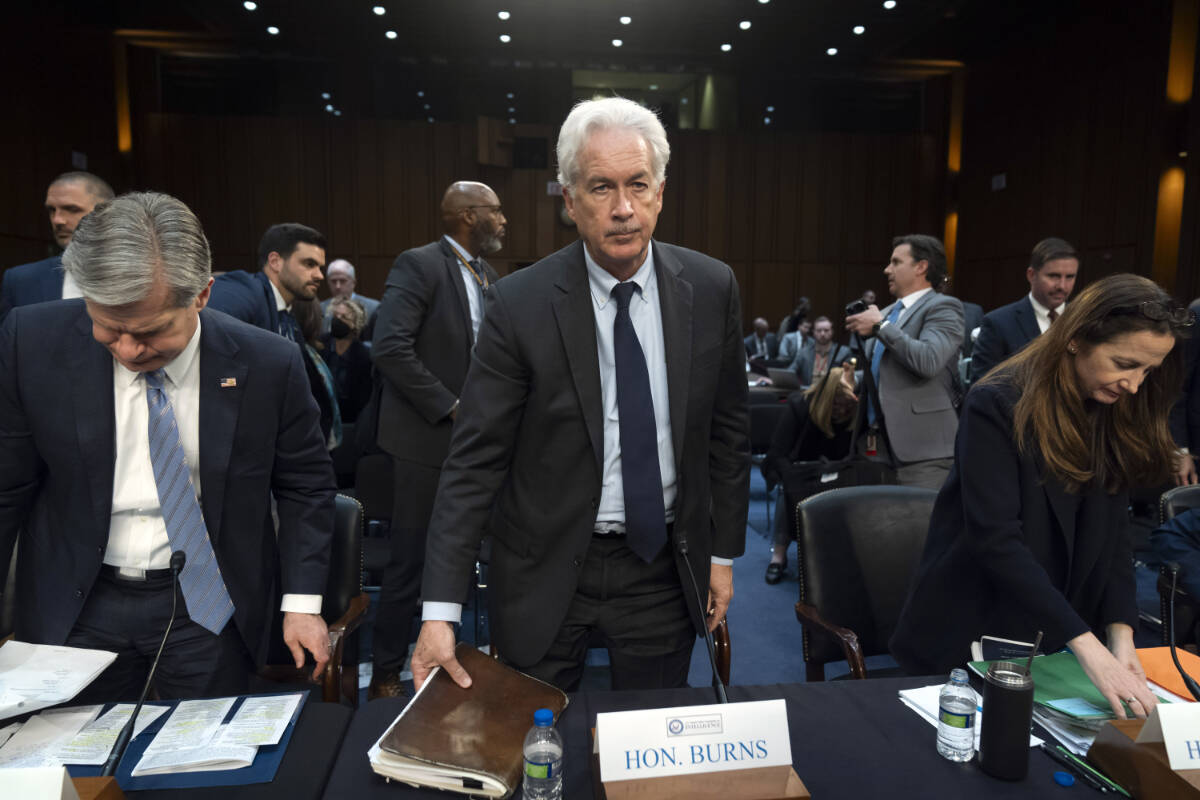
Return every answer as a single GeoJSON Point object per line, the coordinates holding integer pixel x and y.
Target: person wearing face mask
{"type": "Point", "coordinates": [1030, 531]}
{"type": "Point", "coordinates": [818, 423]}
{"type": "Point", "coordinates": [349, 359]}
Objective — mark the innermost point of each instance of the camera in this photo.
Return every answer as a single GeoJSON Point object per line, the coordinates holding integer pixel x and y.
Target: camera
{"type": "Point", "coordinates": [855, 307]}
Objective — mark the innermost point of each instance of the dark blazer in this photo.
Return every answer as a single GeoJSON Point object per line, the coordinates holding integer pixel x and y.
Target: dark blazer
{"type": "Point", "coordinates": [972, 319]}
{"type": "Point", "coordinates": [526, 460]}
{"type": "Point", "coordinates": [351, 376]}
{"type": "Point", "coordinates": [246, 296]}
{"type": "Point", "coordinates": [259, 438]}
{"type": "Point", "coordinates": [36, 282]}
{"type": "Point", "coordinates": [1185, 415]}
{"type": "Point", "coordinates": [1003, 332]}
{"type": "Point", "coordinates": [802, 365]}
{"type": "Point", "coordinates": [1010, 552]}
{"type": "Point", "coordinates": [752, 346]}
{"type": "Point", "coordinates": [797, 439]}
{"type": "Point", "coordinates": [422, 348]}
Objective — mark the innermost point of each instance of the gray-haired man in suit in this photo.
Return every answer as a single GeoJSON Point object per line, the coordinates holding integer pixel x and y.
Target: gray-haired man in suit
{"type": "Point", "coordinates": [910, 418]}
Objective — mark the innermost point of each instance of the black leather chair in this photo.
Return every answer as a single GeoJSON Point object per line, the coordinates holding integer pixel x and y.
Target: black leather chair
{"type": "Point", "coordinates": [373, 488]}
{"type": "Point", "coordinates": [764, 418]}
{"type": "Point", "coordinates": [857, 550]}
{"type": "Point", "coordinates": [344, 608]}
{"type": "Point", "coordinates": [1187, 608]}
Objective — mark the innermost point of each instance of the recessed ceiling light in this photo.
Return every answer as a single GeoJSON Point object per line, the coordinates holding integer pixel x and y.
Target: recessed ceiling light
{"type": "Point", "coordinates": [504, 37]}
{"type": "Point", "coordinates": [725, 48]}
{"type": "Point", "coordinates": [379, 11]}
{"type": "Point", "coordinates": [510, 95]}
{"type": "Point", "coordinates": [770, 109]}
{"type": "Point", "coordinates": [888, 4]}
{"type": "Point", "coordinates": [249, 5]}
{"type": "Point", "coordinates": [625, 20]}
{"type": "Point", "coordinates": [503, 14]}
{"type": "Point", "coordinates": [337, 113]}
{"type": "Point", "coordinates": [766, 120]}
{"type": "Point", "coordinates": [390, 34]}
{"type": "Point", "coordinates": [512, 110]}
{"type": "Point", "coordinates": [831, 51]}
{"type": "Point", "coordinates": [617, 43]}
{"type": "Point", "coordinates": [683, 100]}
{"type": "Point", "coordinates": [427, 106]}
{"type": "Point", "coordinates": [420, 94]}
{"type": "Point", "coordinates": [744, 24]}
{"type": "Point", "coordinates": [271, 29]}
{"type": "Point", "coordinates": [654, 87]}
{"type": "Point", "coordinates": [429, 118]}
{"type": "Point", "coordinates": [764, 2]}
{"type": "Point", "coordinates": [324, 95]}
{"type": "Point", "coordinates": [859, 30]}
{"type": "Point", "coordinates": [328, 107]}
{"type": "Point", "coordinates": [512, 121]}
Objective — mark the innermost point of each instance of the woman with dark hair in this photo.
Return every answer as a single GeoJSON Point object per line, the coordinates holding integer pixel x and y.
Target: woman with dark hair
{"type": "Point", "coordinates": [817, 424]}
{"type": "Point", "coordinates": [308, 317]}
{"type": "Point", "coordinates": [1029, 532]}
{"type": "Point", "coordinates": [348, 358]}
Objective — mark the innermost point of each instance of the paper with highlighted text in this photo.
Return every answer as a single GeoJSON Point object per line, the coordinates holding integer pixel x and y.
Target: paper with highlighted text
{"type": "Point", "coordinates": [688, 740]}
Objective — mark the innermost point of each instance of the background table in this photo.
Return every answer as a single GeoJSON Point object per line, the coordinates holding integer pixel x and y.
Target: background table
{"type": "Point", "coordinates": [849, 739]}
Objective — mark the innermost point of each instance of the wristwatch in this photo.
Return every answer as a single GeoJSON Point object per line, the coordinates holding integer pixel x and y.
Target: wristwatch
{"type": "Point", "coordinates": [875, 328]}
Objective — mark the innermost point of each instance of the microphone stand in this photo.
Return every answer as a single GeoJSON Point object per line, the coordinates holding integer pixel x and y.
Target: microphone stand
{"type": "Point", "coordinates": [126, 735]}
{"type": "Point", "coordinates": [718, 687]}
{"type": "Point", "coordinates": [1187, 679]}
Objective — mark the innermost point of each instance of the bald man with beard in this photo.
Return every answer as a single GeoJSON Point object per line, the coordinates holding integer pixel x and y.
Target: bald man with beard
{"type": "Point", "coordinates": [428, 319]}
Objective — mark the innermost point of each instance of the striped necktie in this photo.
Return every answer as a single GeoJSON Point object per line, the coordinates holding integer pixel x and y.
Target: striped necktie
{"type": "Point", "coordinates": [208, 602]}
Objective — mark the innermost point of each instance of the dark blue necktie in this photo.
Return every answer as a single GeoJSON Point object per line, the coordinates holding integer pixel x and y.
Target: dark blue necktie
{"type": "Point", "coordinates": [877, 357]}
{"type": "Point", "coordinates": [645, 515]}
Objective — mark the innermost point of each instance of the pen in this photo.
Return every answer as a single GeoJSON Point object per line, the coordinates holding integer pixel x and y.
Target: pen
{"type": "Point", "coordinates": [1083, 763]}
{"type": "Point", "coordinates": [1086, 777]}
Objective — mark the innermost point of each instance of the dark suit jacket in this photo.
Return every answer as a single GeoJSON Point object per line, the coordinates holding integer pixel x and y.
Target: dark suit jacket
{"type": "Point", "coordinates": [36, 282]}
{"type": "Point", "coordinates": [422, 348]}
{"type": "Point", "coordinates": [802, 365]}
{"type": "Point", "coordinates": [752, 346]}
{"type": "Point", "coordinates": [246, 296]}
{"type": "Point", "coordinates": [526, 460]}
{"type": "Point", "coordinates": [1003, 332]}
{"type": "Point", "coordinates": [972, 319]}
{"type": "Point", "coordinates": [1185, 415]}
{"type": "Point", "coordinates": [1010, 552]}
{"type": "Point", "coordinates": [258, 438]}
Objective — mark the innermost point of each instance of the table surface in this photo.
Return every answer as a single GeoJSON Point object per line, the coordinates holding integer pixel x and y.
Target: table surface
{"type": "Point", "coordinates": [849, 739]}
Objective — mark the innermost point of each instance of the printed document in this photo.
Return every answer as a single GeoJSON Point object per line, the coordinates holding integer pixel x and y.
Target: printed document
{"type": "Point", "coordinates": [34, 676]}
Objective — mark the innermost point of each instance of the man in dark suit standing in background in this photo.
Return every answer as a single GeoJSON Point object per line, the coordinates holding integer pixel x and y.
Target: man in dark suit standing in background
{"type": "Point", "coordinates": [70, 197]}
{"type": "Point", "coordinates": [428, 320]}
{"type": "Point", "coordinates": [761, 344]}
{"type": "Point", "coordinates": [1052, 269]}
{"type": "Point", "coordinates": [603, 424]}
{"type": "Point", "coordinates": [135, 423]}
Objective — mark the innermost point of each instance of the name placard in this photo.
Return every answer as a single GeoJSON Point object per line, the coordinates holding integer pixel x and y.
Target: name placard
{"type": "Point", "coordinates": [1177, 726]}
{"type": "Point", "coordinates": [688, 740]}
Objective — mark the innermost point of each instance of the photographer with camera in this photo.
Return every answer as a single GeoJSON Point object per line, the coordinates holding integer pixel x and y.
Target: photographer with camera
{"type": "Point", "coordinates": [910, 415]}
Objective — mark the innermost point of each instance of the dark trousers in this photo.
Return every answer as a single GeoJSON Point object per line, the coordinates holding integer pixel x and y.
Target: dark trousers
{"type": "Point", "coordinates": [128, 618]}
{"type": "Point", "coordinates": [414, 486]}
{"type": "Point", "coordinates": [635, 610]}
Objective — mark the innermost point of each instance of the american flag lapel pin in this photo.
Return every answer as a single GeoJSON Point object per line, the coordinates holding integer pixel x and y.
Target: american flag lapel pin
{"type": "Point", "coordinates": [228, 383]}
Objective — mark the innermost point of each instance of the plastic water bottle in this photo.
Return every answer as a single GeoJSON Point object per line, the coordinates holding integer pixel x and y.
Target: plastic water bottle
{"type": "Point", "coordinates": [543, 759]}
{"type": "Point", "coordinates": [956, 718]}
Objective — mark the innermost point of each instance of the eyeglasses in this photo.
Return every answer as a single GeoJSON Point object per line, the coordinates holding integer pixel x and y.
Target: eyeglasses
{"type": "Point", "coordinates": [499, 210]}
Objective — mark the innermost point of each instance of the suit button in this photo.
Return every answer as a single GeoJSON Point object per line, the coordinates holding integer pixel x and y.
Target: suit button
{"type": "Point", "coordinates": [78, 593]}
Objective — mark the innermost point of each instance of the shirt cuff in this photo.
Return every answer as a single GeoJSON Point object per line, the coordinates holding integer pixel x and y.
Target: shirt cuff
{"type": "Point", "coordinates": [722, 562]}
{"type": "Point", "coordinates": [441, 612]}
{"type": "Point", "coordinates": [301, 603]}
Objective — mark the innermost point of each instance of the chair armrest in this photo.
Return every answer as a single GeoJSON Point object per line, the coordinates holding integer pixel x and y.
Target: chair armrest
{"type": "Point", "coordinates": [331, 678]}
{"type": "Point", "coordinates": [723, 650]}
{"type": "Point", "coordinates": [848, 638]}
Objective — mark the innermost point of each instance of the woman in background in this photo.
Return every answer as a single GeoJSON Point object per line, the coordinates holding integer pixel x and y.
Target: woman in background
{"type": "Point", "coordinates": [1030, 533]}
{"type": "Point", "coordinates": [348, 358]}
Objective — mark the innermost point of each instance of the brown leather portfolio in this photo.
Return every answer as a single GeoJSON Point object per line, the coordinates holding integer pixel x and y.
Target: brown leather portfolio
{"type": "Point", "coordinates": [466, 740]}
{"type": "Point", "coordinates": [1143, 768]}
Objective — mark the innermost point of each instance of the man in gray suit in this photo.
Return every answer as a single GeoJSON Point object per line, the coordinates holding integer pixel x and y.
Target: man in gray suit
{"type": "Point", "coordinates": [342, 280]}
{"type": "Point", "coordinates": [428, 320]}
{"type": "Point", "coordinates": [910, 416]}
{"type": "Point", "coordinates": [603, 436]}
{"type": "Point", "coordinates": [814, 361]}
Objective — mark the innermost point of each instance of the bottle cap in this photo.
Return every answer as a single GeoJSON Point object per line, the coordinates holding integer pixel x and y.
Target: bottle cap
{"type": "Point", "coordinates": [1064, 778]}
{"type": "Point", "coordinates": [543, 718]}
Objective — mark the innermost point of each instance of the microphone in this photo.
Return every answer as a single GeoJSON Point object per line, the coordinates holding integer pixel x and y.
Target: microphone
{"type": "Point", "coordinates": [1173, 567]}
{"type": "Point", "coordinates": [682, 546]}
{"type": "Point", "coordinates": [123, 738]}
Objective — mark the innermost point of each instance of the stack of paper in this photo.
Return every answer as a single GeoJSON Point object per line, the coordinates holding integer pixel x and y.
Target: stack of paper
{"type": "Point", "coordinates": [924, 701]}
{"type": "Point", "coordinates": [34, 676]}
{"type": "Point", "coordinates": [38, 741]}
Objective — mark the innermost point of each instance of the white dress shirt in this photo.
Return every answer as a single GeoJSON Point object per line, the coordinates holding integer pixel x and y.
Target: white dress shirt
{"type": "Point", "coordinates": [474, 290]}
{"type": "Point", "coordinates": [906, 303]}
{"type": "Point", "coordinates": [70, 287]}
{"type": "Point", "coordinates": [1042, 314]}
{"type": "Point", "coordinates": [137, 534]}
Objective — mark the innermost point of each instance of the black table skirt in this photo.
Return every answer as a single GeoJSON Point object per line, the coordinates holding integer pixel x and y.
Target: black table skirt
{"type": "Point", "coordinates": [849, 739]}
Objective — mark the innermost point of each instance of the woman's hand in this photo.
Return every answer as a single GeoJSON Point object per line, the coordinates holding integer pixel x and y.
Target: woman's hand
{"type": "Point", "coordinates": [1117, 674]}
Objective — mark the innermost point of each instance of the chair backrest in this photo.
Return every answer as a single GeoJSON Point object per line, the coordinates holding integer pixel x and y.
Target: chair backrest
{"type": "Point", "coordinates": [764, 418]}
{"type": "Point", "coordinates": [1175, 501]}
{"type": "Point", "coordinates": [373, 485]}
{"type": "Point", "coordinates": [858, 548]}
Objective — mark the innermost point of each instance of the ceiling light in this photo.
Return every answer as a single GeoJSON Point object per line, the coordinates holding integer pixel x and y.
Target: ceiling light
{"type": "Point", "coordinates": [510, 95]}
{"type": "Point", "coordinates": [250, 5]}
{"type": "Point", "coordinates": [770, 109]}
{"type": "Point", "coordinates": [859, 30]}
{"type": "Point", "coordinates": [429, 119]}
{"type": "Point", "coordinates": [831, 51]}
{"type": "Point", "coordinates": [271, 29]}
{"type": "Point", "coordinates": [503, 15]}
{"type": "Point", "coordinates": [325, 95]}
{"type": "Point", "coordinates": [379, 11]}
{"type": "Point", "coordinates": [766, 120]}
{"type": "Point", "coordinates": [512, 121]}
{"type": "Point", "coordinates": [625, 20]}
{"type": "Point", "coordinates": [420, 94]}
{"type": "Point", "coordinates": [654, 87]}
{"type": "Point", "coordinates": [725, 48]}
{"type": "Point", "coordinates": [617, 43]}
{"type": "Point", "coordinates": [390, 34]}
{"type": "Point", "coordinates": [329, 107]}
{"type": "Point", "coordinates": [888, 4]}
{"type": "Point", "coordinates": [427, 106]}
{"type": "Point", "coordinates": [764, 2]}
{"type": "Point", "coordinates": [504, 37]}
{"type": "Point", "coordinates": [683, 100]}
{"type": "Point", "coordinates": [744, 24]}
{"type": "Point", "coordinates": [337, 113]}
{"type": "Point", "coordinates": [512, 110]}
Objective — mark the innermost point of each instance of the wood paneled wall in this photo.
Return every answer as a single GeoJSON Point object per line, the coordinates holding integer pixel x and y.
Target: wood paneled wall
{"type": "Point", "coordinates": [792, 214]}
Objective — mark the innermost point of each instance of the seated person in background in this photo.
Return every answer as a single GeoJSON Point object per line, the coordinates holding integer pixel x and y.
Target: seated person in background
{"type": "Point", "coordinates": [349, 359]}
{"type": "Point", "coordinates": [813, 361]}
{"type": "Point", "coordinates": [761, 344]}
{"type": "Point", "coordinates": [817, 424]}
{"type": "Point", "coordinates": [1029, 531]}
{"type": "Point", "coordinates": [1178, 540]}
